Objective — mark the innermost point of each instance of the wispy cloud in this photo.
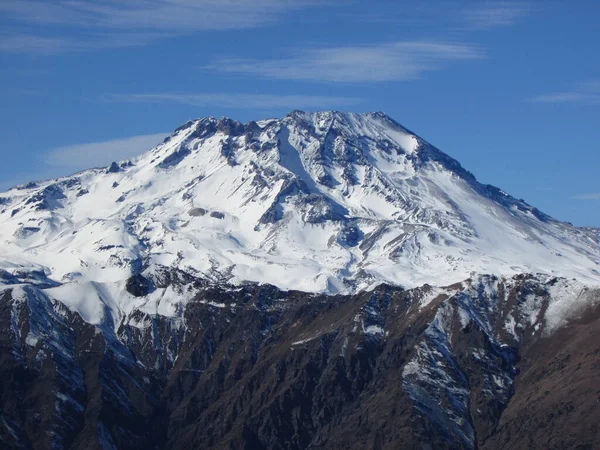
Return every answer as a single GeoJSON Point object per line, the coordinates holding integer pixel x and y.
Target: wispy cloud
{"type": "Point", "coordinates": [396, 61]}
{"type": "Point", "coordinates": [66, 25]}
{"type": "Point", "coordinates": [23, 43]}
{"type": "Point", "coordinates": [96, 154]}
{"type": "Point", "coordinates": [68, 159]}
{"type": "Point", "coordinates": [43, 45]}
{"type": "Point", "coordinates": [241, 101]}
{"type": "Point", "coordinates": [494, 14]}
{"type": "Point", "coordinates": [592, 196]}
{"type": "Point", "coordinates": [168, 15]}
{"type": "Point", "coordinates": [587, 92]}
{"type": "Point", "coordinates": [451, 16]}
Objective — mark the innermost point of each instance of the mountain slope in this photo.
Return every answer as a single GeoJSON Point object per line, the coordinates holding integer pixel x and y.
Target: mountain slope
{"type": "Point", "coordinates": [316, 281]}
{"type": "Point", "coordinates": [480, 364]}
{"type": "Point", "coordinates": [321, 202]}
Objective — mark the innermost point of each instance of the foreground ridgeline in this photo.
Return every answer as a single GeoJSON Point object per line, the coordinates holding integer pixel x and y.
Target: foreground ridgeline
{"type": "Point", "coordinates": [311, 282]}
{"type": "Point", "coordinates": [486, 363]}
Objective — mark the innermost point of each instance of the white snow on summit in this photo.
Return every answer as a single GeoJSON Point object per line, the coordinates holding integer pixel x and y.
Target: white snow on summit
{"type": "Point", "coordinates": [321, 202]}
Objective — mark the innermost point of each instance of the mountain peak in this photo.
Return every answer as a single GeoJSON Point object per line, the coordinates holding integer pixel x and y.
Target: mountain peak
{"type": "Point", "coordinates": [321, 201]}
{"type": "Point", "coordinates": [341, 116]}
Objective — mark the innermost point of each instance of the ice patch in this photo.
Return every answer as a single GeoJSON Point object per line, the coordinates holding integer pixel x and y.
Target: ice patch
{"type": "Point", "coordinates": [374, 330]}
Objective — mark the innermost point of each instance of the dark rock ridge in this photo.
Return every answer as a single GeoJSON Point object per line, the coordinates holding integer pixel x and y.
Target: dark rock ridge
{"type": "Point", "coordinates": [473, 365]}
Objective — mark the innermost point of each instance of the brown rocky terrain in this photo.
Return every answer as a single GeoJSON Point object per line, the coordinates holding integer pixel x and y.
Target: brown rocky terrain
{"type": "Point", "coordinates": [469, 366]}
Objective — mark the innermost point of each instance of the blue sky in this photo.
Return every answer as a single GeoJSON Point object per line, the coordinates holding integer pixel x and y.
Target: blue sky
{"type": "Point", "coordinates": [509, 88]}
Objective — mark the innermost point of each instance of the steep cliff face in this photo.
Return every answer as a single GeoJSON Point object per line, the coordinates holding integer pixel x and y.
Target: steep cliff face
{"type": "Point", "coordinates": [486, 363]}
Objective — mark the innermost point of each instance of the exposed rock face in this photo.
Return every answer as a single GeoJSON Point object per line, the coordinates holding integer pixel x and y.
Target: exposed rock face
{"type": "Point", "coordinates": [138, 286]}
{"type": "Point", "coordinates": [114, 168]}
{"type": "Point", "coordinates": [486, 363]}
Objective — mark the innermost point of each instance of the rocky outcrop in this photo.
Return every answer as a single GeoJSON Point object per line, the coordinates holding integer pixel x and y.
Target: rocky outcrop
{"type": "Point", "coordinates": [480, 364]}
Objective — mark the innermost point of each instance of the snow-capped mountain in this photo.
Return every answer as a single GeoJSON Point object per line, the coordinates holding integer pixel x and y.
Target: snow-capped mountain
{"type": "Point", "coordinates": [320, 202]}
{"type": "Point", "coordinates": [157, 303]}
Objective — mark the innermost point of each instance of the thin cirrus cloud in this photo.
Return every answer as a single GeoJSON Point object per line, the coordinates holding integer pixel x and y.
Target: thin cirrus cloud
{"type": "Point", "coordinates": [591, 196]}
{"type": "Point", "coordinates": [97, 154]}
{"type": "Point", "coordinates": [494, 14]}
{"type": "Point", "coordinates": [240, 101]}
{"type": "Point", "coordinates": [397, 61]}
{"type": "Point", "coordinates": [44, 45]}
{"type": "Point", "coordinates": [587, 92]}
{"type": "Point", "coordinates": [168, 15]}
{"type": "Point", "coordinates": [67, 25]}
{"type": "Point", "coordinates": [68, 159]}
{"type": "Point", "coordinates": [441, 14]}
{"type": "Point", "coordinates": [25, 43]}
